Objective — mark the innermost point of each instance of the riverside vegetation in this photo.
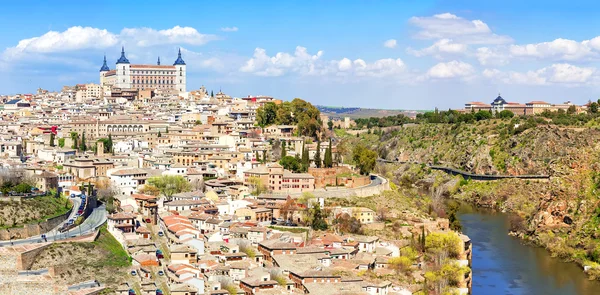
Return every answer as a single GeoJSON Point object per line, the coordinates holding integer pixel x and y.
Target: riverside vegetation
{"type": "Point", "coordinates": [561, 214]}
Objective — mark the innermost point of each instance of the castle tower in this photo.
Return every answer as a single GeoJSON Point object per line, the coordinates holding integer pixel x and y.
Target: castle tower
{"type": "Point", "coordinates": [180, 80]}
{"type": "Point", "coordinates": [158, 62]}
{"type": "Point", "coordinates": [100, 149]}
{"type": "Point", "coordinates": [123, 71]}
{"type": "Point", "coordinates": [103, 70]}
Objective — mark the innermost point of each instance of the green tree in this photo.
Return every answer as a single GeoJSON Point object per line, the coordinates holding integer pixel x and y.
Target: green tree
{"type": "Point", "coordinates": [291, 163]}
{"type": "Point", "coordinates": [256, 156]}
{"type": "Point", "coordinates": [283, 151]}
{"type": "Point", "coordinates": [571, 110]}
{"type": "Point", "coordinates": [52, 144]}
{"type": "Point", "coordinates": [364, 159]}
{"type": "Point", "coordinates": [75, 140]}
{"type": "Point", "coordinates": [256, 185]}
{"type": "Point", "coordinates": [317, 158]}
{"type": "Point", "coordinates": [328, 161]}
{"type": "Point", "coordinates": [266, 114]}
{"type": "Point", "coordinates": [212, 94]}
{"type": "Point", "coordinates": [452, 219]}
{"type": "Point", "coordinates": [483, 115]}
{"type": "Point", "coordinates": [170, 184]}
{"type": "Point", "coordinates": [505, 114]}
{"type": "Point", "coordinates": [61, 142]}
{"type": "Point", "coordinates": [594, 107]}
{"type": "Point", "coordinates": [159, 135]}
{"type": "Point", "coordinates": [22, 188]}
{"type": "Point", "coordinates": [305, 158]}
{"type": "Point", "coordinates": [316, 217]}
{"type": "Point", "coordinates": [82, 145]}
{"type": "Point", "coordinates": [108, 147]}
{"type": "Point", "coordinates": [330, 125]}
{"type": "Point", "coordinates": [264, 156]}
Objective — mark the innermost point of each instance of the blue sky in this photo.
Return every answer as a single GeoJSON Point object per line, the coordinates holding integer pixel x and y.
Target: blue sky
{"type": "Point", "coordinates": [380, 54]}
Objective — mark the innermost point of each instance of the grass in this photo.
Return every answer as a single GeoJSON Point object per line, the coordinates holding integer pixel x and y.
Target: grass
{"type": "Point", "coordinates": [117, 256]}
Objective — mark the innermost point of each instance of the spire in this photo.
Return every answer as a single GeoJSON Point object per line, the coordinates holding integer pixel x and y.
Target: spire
{"type": "Point", "coordinates": [179, 61]}
{"type": "Point", "coordinates": [123, 59]}
{"type": "Point", "coordinates": [158, 62]}
{"type": "Point", "coordinates": [104, 67]}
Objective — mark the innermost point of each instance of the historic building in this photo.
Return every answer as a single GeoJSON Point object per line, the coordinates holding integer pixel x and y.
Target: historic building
{"type": "Point", "coordinates": [144, 77]}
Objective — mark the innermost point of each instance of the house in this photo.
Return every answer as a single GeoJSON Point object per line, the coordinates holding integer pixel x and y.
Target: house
{"type": "Point", "coordinates": [183, 254]}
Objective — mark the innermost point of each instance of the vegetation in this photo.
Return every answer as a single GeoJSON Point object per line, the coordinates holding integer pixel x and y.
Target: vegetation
{"type": "Point", "coordinates": [168, 185]}
{"type": "Point", "coordinates": [305, 158]}
{"type": "Point", "coordinates": [61, 142]}
{"type": "Point", "coordinates": [257, 186]}
{"type": "Point", "coordinates": [364, 159]}
{"type": "Point", "coordinates": [297, 112]}
{"type": "Point", "coordinates": [291, 163]}
{"type": "Point", "coordinates": [52, 136]}
{"type": "Point", "coordinates": [328, 161]}
{"type": "Point", "coordinates": [317, 157]}
{"type": "Point", "coordinates": [316, 216]}
{"type": "Point", "coordinates": [32, 210]}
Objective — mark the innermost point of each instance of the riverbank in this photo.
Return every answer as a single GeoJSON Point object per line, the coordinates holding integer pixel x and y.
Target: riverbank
{"type": "Point", "coordinates": [503, 264]}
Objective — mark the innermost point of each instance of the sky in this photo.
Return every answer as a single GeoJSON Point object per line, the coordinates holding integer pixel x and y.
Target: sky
{"type": "Point", "coordinates": [419, 54]}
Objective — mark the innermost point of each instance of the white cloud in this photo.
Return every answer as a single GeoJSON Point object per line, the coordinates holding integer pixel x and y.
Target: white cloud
{"type": "Point", "coordinates": [452, 69]}
{"type": "Point", "coordinates": [390, 43]}
{"type": "Point", "coordinates": [439, 48]}
{"type": "Point", "coordinates": [74, 38]}
{"type": "Point", "coordinates": [229, 29]}
{"type": "Point", "coordinates": [263, 65]}
{"type": "Point", "coordinates": [305, 64]}
{"type": "Point", "coordinates": [144, 37]}
{"type": "Point", "coordinates": [450, 26]}
{"type": "Point", "coordinates": [556, 74]}
{"type": "Point", "coordinates": [559, 49]}
{"type": "Point", "coordinates": [492, 56]}
{"type": "Point", "coordinates": [82, 38]}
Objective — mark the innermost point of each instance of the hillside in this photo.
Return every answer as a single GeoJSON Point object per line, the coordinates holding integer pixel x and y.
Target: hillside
{"type": "Point", "coordinates": [561, 214]}
{"type": "Point", "coordinates": [31, 210]}
{"type": "Point", "coordinates": [354, 113]}
{"type": "Point", "coordinates": [103, 260]}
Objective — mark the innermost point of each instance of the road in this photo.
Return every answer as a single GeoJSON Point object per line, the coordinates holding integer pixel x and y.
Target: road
{"type": "Point", "coordinates": [76, 203]}
{"type": "Point", "coordinates": [97, 218]}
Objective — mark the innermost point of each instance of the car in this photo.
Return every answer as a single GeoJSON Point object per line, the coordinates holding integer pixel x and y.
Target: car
{"type": "Point", "coordinates": [273, 222]}
{"type": "Point", "coordinates": [289, 223]}
{"type": "Point", "coordinates": [161, 273]}
{"type": "Point", "coordinates": [159, 292]}
{"type": "Point", "coordinates": [80, 211]}
{"type": "Point", "coordinates": [134, 273]}
{"type": "Point", "coordinates": [148, 220]}
{"type": "Point", "coordinates": [160, 234]}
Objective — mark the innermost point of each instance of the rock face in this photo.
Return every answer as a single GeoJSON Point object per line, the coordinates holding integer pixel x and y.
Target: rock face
{"type": "Point", "coordinates": [566, 205]}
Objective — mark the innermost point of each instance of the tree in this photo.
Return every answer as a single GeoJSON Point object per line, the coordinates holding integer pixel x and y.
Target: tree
{"type": "Point", "coordinates": [283, 151]}
{"type": "Point", "coordinates": [316, 217]}
{"type": "Point", "coordinates": [256, 156]}
{"type": "Point", "coordinates": [483, 115]}
{"type": "Point", "coordinates": [266, 114]}
{"type": "Point", "coordinates": [74, 139]}
{"type": "Point", "coordinates": [348, 224]}
{"type": "Point", "coordinates": [453, 220]}
{"type": "Point", "coordinates": [52, 144]}
{"type": "Point", "coordinates": [149, 189]}
{"type": "Point", "coordinates": [22, 188]}
{"type": "Point", "coordinates": [264, 156]}
{"type": "Point", "coordinates": [291, 163]}
{"type": "Point", "coordinates": [330, 125]}
{"type": "Point", "coordinates": [400, 264]}
{"type": "Point", "coordinates": [505, 114]}
{"type": "Point", "coordinates": [257, 185]}
{"type": "Point", "coordinates": [82, 145]}
{"type": "Point", "coordinates": [108, 147]}
{"type": "Point", "coordinates": [170, 184]}
{"type": "Point", "coordinates": [61, 142]}
{"type": "Point", "coordinates": [364, 159]}
{"type": "Point", "coordinates": [305, 159]}
{"type": "Point", "coordinates": [317, 158]}
{"type": "Point", "coordinates": [594, 107]}
{"type": "Point", "coordinates": [212, 94]}
{"type": "Point", "coordinates": [328, 161]}
{"type": "Point", "coordinates": [159, 135]}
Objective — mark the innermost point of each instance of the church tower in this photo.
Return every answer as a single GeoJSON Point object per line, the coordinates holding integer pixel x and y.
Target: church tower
{"type": "Point", "coordinates": [123, 71]}
{"type": "Point", "coordinates": [103, 70]}
{"type": "Point", "coordinates": [180, 80]}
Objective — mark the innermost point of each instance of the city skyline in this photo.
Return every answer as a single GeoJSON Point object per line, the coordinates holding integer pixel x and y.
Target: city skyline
{"type": "Point", "coordinates": [412, 55]}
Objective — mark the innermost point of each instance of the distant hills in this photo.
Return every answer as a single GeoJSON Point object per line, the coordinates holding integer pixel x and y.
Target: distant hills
{"type": "Point", "coordinates": [354, 113]}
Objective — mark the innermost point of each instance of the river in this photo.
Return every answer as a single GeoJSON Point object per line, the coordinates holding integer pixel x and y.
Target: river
{"type": "Point", "coordinates": [503, 265]}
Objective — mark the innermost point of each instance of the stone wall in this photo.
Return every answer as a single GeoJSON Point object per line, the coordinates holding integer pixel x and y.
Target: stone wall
{"type": "Point", "coordinates": [26, 258]}
{"type": "Point", "coordinates": [342, 192]}
{"type": "Point", "coordinates": [330, 177]}
{"type": "Point", "coordinates": [30, 230]}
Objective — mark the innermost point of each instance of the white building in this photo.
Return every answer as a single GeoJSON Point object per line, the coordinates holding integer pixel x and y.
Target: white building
{"type": "Point", "coordinates": [145, 77]}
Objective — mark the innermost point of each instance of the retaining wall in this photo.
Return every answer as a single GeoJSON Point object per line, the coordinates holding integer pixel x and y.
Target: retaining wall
{"type": "Point", "coordinates": [30, 230]}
